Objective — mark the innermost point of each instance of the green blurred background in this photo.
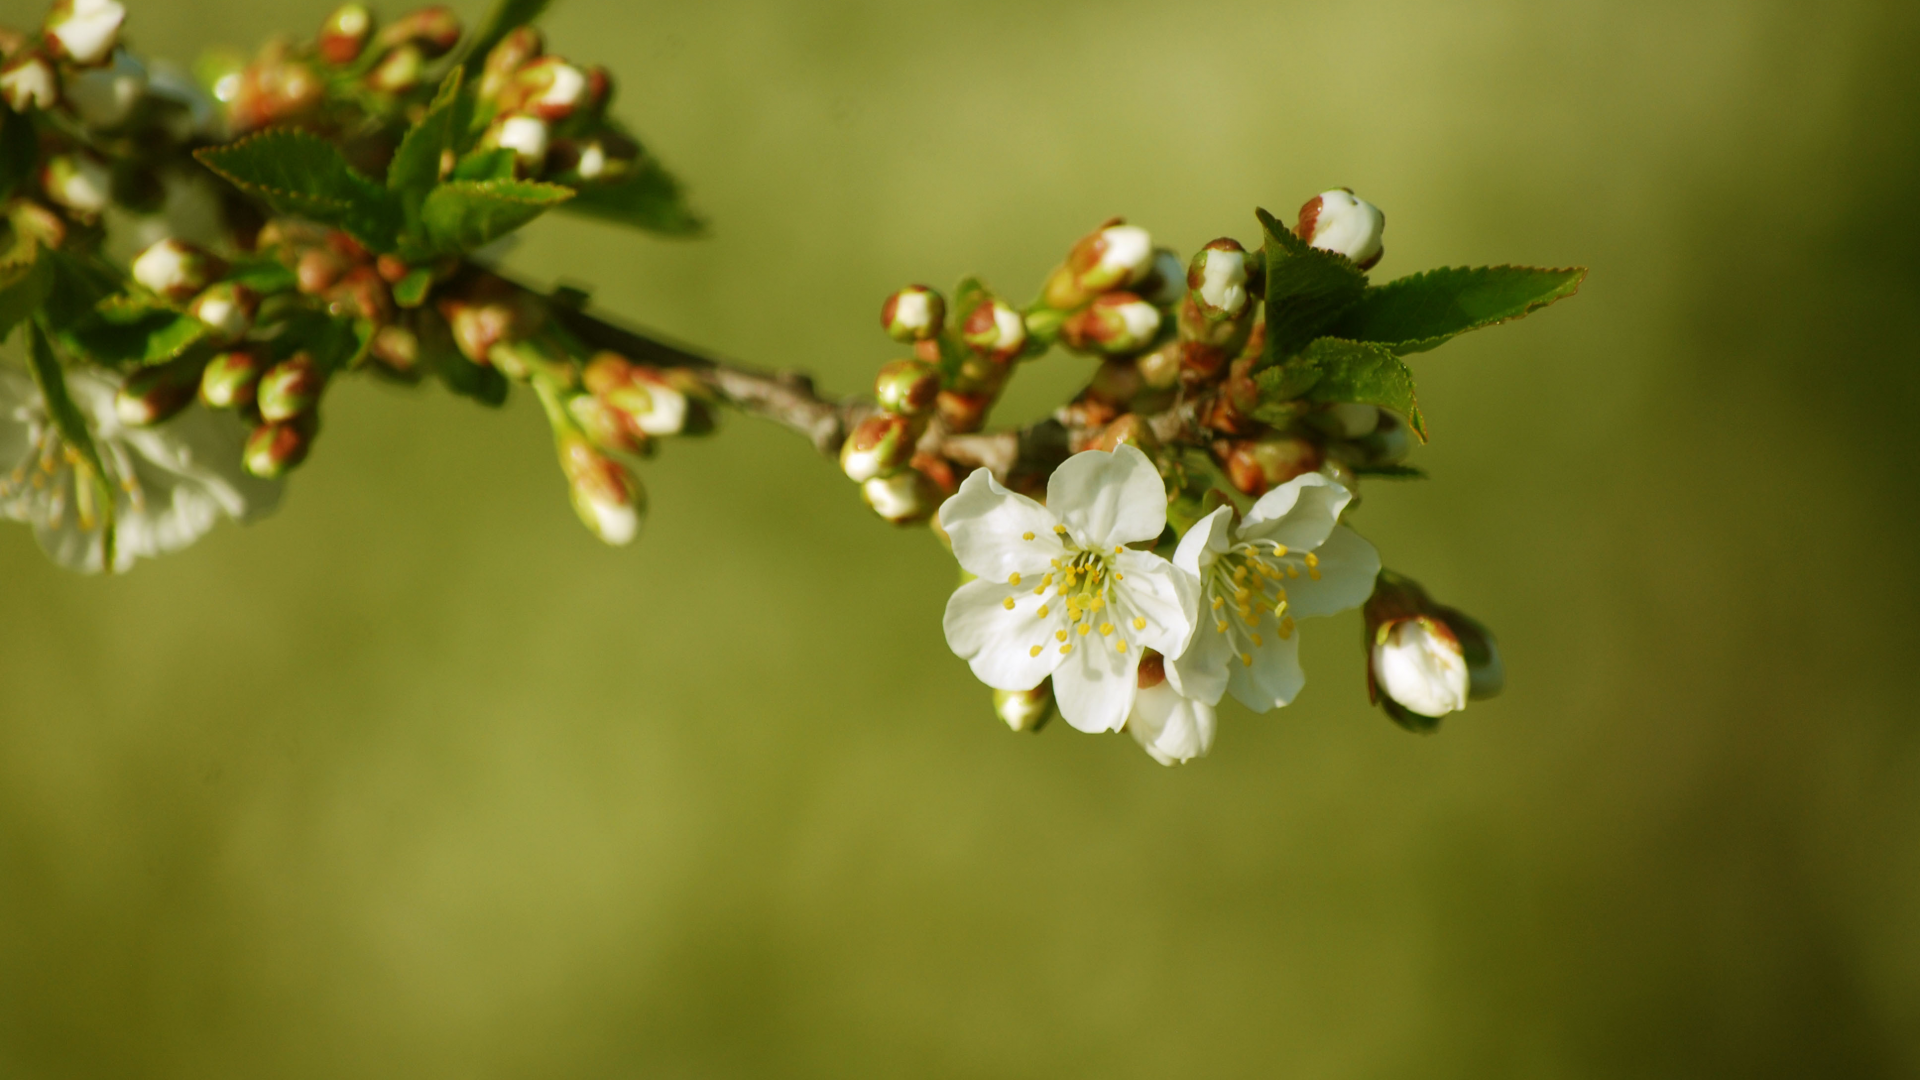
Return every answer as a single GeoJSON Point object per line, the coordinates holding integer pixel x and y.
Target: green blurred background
{"type": "Point", "coordinates": [417, 780]}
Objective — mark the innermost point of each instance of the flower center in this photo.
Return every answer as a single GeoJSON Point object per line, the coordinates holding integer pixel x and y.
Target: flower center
{"type": "Point", "coordinates": [1246, 594]}
{"type": "Point", "coordinates": [1088, 588]}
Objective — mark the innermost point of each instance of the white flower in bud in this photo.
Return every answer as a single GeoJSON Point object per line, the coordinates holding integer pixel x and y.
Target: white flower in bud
{"type": "Point", "coordinates": [1341, 222]}
{"type": "Point", "coordinates": [1058, 591]}
{"type": "Point", "coordinates": [171, 483]}
{"type": "Point", "coordinates": [593, 161]}
{"type": "Point", "coordinates": [225, 311]}
{"type": "Point", "coordinates": [666, 413]}
{"type": "Point", "coordinates": [1024, 710]}
{"type": "Point", "coordinates": [1172, 728]}
{"type": "Point", "coordinates": [1126, 255]}
{"type": "Point", "coordinates": [903, 498]}
{"type": "Point", "coordinates": [104, 97]}
{"type": "Point", "coordinates": [1011, 328]}
{"type": "Point", "coordinates": [565, 92]}
{"type": "Point", "coordinates": [1354, 420]}
{"type": "Point", "coordinates": [1418, 663]}
{"type": "Point", "coordinates": [1141, 320]}
{"type": "Point", "coordinates": [86, 30]}
{"type": "Point", "coordinates": [172, 268]}
{"type": "Point", "coordinates": [28, 82]}
{"type": "Point", "coordinates": [1223, 281]}
{"type": "Point", "coordinates": [1288, 559]}
{"type": "Point", "coordinates": [614, 521]}
{"type": "Point", "coordinates": [526, 136]}
{"type": "Point", "coordinates": [79, 182]}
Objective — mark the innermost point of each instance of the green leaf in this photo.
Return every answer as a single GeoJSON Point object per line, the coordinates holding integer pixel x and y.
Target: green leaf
{"type": "Point", "coordinates": [649, 199]}
{"type": "Point", "coordinates": [415, 168]}
{"type": "Point", "coordinates": [1423, 311]}
{"type": "Point", "coordinates": [302, 174]}
{"type": "Point", "coordinates": [470, 380]}
{"type": "Point", "coordinates": [126, 334]}
{"type": "Point", "coordinates": [502, 20]}
{"type": "Point", "coordinates": [495, 164]}
{"type": "Point", "coordinates": [411, 291]}
{"type": "Point", "coordinates": [465, 214]}
{"type": "Point", "coordinates": [1332, 371]}
{"type": "Point", "coordinates": [79, 286]}
{"type": "Point", "coordinates": [23, 288]}
{"type": "Point", "coordinates": [1307, 290]}
{"type": "Point", "coordinates": [19, 150]}
{"type": "Point", "coordinates": [72, 425]}
{"type": "Point", "coordinates": [1390, 472]}
{"type": "Point", "coordinates": [264, 276]}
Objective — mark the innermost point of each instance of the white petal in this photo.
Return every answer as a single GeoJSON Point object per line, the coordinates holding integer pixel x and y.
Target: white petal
{"type": "Point", "coordinates": [997, 643]}
{"type": "Point", "coordinates": [1095, 683]}
{"type": "Point", "coordinates": [1201, 671]}
{"type": "Point", "coordinates": [1206, 540]}
{"type": "Point", "coordinates": [988, 525]}
{"type": "Point", "coordinates": [1348, 567]}
{"type": "Point", "coordinates": [1172, 728]}
{"type": "Point", "coordinates": [1155, 590]}
{"type": "Point", "coordinates": [203, 448]}
{"type": "Point", "coordinates": [1109, 498]}
{"type": "Point", "coordinates": [1299, 513]}
{"type": "Point", "coordinates": [1275, 677]}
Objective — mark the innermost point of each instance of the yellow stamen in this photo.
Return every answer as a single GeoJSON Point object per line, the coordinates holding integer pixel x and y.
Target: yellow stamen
{"type": "Point", "coordinates": [1098, 603]}
{"type": "Point", "coordinates": [1106, 629]}
{"type": "Point", "coordinates": [1313, 572]}
{"type": "Point", "coordinates": [1286, 628]}
{"type": "Point", "coordinates": [1311, 558]}
{"type": "Point", "coordinates": [1007, 603]}
{"type": "Point", "coordinates": [1257, 641]}
{"type": "Point", "coordinates": [1293, 571]}
{"type": "Point", "coordinates": [1061, 529]}
{"type": "Point", "coordinates": [1279, 551]}
{"type": "Point", "coordinates": [1139, 623]}
{"type": "Point", "coordinates": [1246, 659]}
{"type": "Point", "coordinates": [1221, 626]}
{"type": "Point", "coordinates": [1120, 646]}
{"type": "Point", "coordinates": [1084, 627]}
{"type": "Point", "coordinates": [1059, 635]}
{"type": "Point", "coordinates": [1118, 576]}
{"type": "Point", "coordinates": [1219, 602]}
{"type": "Point", "coordinates": [1035, 651]}
{"type": "Point", "coordinates": [1026, 536]}
{"type": "Point", "coordinates": [1042, 612]}
{"type": "Point", "coordinates": [1117, 549]}
{"type": "Point", "coordinates": [1067, 648]}
{"type": "Point", "coordinates": [1013, 578]}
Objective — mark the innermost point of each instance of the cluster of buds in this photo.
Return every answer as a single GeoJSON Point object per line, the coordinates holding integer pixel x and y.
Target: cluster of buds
{"type": "Point", "coordinates": [1425, 660]}
{"type": "Point", "coordinates": [351, 59]}
{"type": "Point", "coordinates": [551, 114]}
{"type": "Point", "coordinates": [76, 35]}
{"type": "Point", "coordinates": [881, 454]}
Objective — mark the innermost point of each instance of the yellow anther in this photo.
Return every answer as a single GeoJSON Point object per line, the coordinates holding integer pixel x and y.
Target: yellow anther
{"type": "Point", "coordinates": [1106, 629]}
{"type": "Point", "coordinates": [1042, 612]}
{"type": "Point", "coordinates": [1045, 581]}
{"type": "Point", "coordinates": [1293, 571]}
{"type": "Point", "coordinates": [1041, 591]}
{"type": "Point", "coordinates": [1059, 635]}
{"type": "Point", "coordinates": [1280, 593]}
{"type": "Point", "coordinates": [1139, 623]}
{"type": "Point", "coordinates": [1098, 603]}
{"type": "Point", "coordinates": [1219, 602]}
{"type": "Point", "coordinates": [1026, 536]}
{"type": "Point", "coordinates": [1242, 594]}
{"type": "Point", "coordinates": [1313, 572]}
{"type": "Point", "coordinates": [1311, 558]}
{"type": "Point", "coordinates": [1246, 659]}
{"type": "Point", "coordinates": [1279, 551]}
{"type": "Point", "coordinates": [1013, 578]}
{"type": "Point", "coordinates": [1084, 627]}
{"type": "Point", "coordinates": [1117, 549]}
{"type": "Point", "coordinates": [1256, 639]}
{"type": "Point", "coordinates": [1067, 648]}
{"type": "Point", "coordinates": [1007, 603]}
{"type": "Point", "coordinates": [1240, 572]}
{"type": "Point", "coordinates": [1061, 529]}
{"type": "Point", "coordinates": [1118, 576]}
{"type": "Point", "coordinates": [1075, 614]}
{"type": "Point", "coordinates": [1286, 628]}
{"type": "Point", "coordinates": [1221, 626]}
{"type": "Point", "coordinates": [1121, 645]}
{"type": "Point", "coordinates": [1035, 651]}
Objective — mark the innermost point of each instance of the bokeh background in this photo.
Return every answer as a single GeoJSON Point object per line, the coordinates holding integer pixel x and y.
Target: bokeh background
{"type": "Point", "coordinates": [416, 780]}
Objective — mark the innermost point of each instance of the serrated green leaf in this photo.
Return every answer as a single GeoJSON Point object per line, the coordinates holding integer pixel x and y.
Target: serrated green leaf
{"type": "Point", "coordinates": [495, 164]}
{"type": "Point", "coordinates": [1333, 371]}
{"type": "Point", "coordinates": [465, 214]}
{"type": "Point", "coordinates": [19, 150]}
{"type": "Point", "coordinates": [1423, 311]}
{"type": "Point", "coordinates": [72, 425]}
{"type": "Point", "coordinates": [1307, 290]}
{"type": "Point", "coordinates": [131, 336]}
{"type": "Point", "coordinates": [649, 199]}
{"type": "Point", "coordinates": [23, 288]}
{"type": "Point", "coordinates": [302, 174]}
{"type": "Point", "coordinates": [505, 16]}
{"type": "Point", "coordinates": [415, 168]}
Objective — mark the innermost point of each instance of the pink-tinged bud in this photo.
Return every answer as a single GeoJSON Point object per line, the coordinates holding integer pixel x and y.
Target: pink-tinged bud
{"type": "Point", "coordinates": [434, 29]}
{"type": "Point", "coordinates": [317, 270]}
{"type": "Point", "coordinates": [361, 294]}
{"type": "Point", "coordinates": [506, 59]}
{"type": "Point", "coordinates": [1160, 369]}
{"type": "Point", "coordinates": [995, 328]}
{"type": "Point", "coordinates": [547, 87]}
{"type": "Point", "coordinates": [28, 81]}
{"type": "Point", "coordinates": [291, 387]}
{"type": "Point", "coordinates": [1130, 429]}
{"type": "Point", "coordinates": [157, 393]}
{"type": "Point", "coordinates": [275, 449]}
{"type": "Point", "coordinates": [85, 31]}
{"type": "Point", "coordinates": [1026, 710]}
{"type": "Point", "coordinates": [1114, 256]}
{"type": "Point", "coordinates": [80, 182]}
{"type": "Point", "coordinates": [491, 311]}
{"type": "Point", "coordinates": [607, 426]}
{"type": "Point", "coordinates": [907, 387]}
{"type": "Point", "coordinates": [1340, 222]}
{"type": "Point", "coordinates": [176, 269]}
{"type": "Point", "coordinates": [1217, 280]}
{"type": "Point", "coordinates": [904, 498]}
{"type": "Point", "coordinates": [399, 71]}
{"type": "Point", "coordinates": [915, 313]}
{"type": "Point", "coordinates": [344, 34]}
{"type": "Point", "coordinates": [232, 379]}
{"type": "Point", "coordinates": [879, 446]}
{"type": "Point", "coordinates": [274, 89]}
{"type": "Point", "coordinates": [1258, 465]}
{"type": "Point", "coordinates": [598, 160]}
{"type": "Point", "coordinates": [226, 309]}
{"type": "Point", "coordinates": [609, 500]}
{"type": "Point", "coordinates": [1115, 323]}
{"type": "Point", "coordinates": [649, 402]}
{"type": "Point", "coordinates": [527, 136]}
{"type": "Point", "coordinates": [397, 349]}
{"type": "Point", "coordinates": [963, 412]}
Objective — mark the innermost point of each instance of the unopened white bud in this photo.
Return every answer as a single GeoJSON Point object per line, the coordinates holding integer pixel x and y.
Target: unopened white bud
{"type": "Point", "coordinates": [105, 97]}
{"type": "Point", "coordinates": [1341, 222]}
{"type": "Point", "coordinates": [1353, 420]}
{"type": "Point", "coordinates": [85, 30]}
{"type": "Point", "coordinates": [78, 182]}
{"type": "Point", "coordinates": [174, 268]}
{"type": "Point", "coordinates": [903, 498]}
{"type": "Point", "coordinates": [1418, 663]}
{"type": "Point", "coordinates": [526, 136]}
{"type": "Point", "coordinates": [28, 82]}
{"type": "Point", "coordinates": [1025, 710]}
{"type": "Point", "coordinates": [666, 413]}
{"type": "Point", "coordinates": [1223, 280]}
{"type": "Point", "coordinates": [1125, 256]}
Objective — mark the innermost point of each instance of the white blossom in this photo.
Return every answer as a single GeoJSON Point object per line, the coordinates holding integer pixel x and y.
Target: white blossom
{"type": "Point", "coordinates": [1168, 725]}
{"type": "Point", "coordinates": [1058, 592]}
{"type": "Point", "coordinates": [1418, 662]}
{"type": "Point", "coordinates": [86, 29]}
{"type": "Point", "coordinates": [1341, 222]}
{"type": "Point", "coordinates": [172, 482]}
{"type": "Point", "coordinates": [1288, 559]}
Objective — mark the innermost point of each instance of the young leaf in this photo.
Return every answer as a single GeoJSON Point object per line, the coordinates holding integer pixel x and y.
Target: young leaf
{"type": "Point", "coordinates": [1307, 290]}
{"type": "Point", "coordinates": [465, 214]}
{"type": "Point", "coordinates": [302, 174]}
{"type": "Point", "coordinates": [650, 199]}
{"type": "Point", "coordinates": [123, 335]}
{"type": "Point", "coordinates": [506, 16]}
{"type": "Point", "coordinates": [19, 151]}
{"type": "Point", "coordinates": [469, 380]}
{"type": "Point", "coordinates": [496, 164]}
{"type": "Point", "coordinates": [1333, 371]}
{"type": "Point", "coordinates": [416, 164]}
{"type": "Point", "coordinates": [72, 425]}
{"type": "Point", "coordinates": [1421, 312]}
{"type": "Point", "coordinates": [79, 284]}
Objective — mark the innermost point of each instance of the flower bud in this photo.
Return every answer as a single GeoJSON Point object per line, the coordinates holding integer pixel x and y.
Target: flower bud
{"type": "Point", "coordinates": [549, 88]}
{"type": "Point", "coordinates": [1340, 222]}
{"type": "Point", "coordinates": [607, 426]}
{"type": "Point", "coordinates": [1417, 662]}
{"type": "Point", "coordinates": [879, 446]}
{"type": "Point", "coordinates": [1160, 369]}
{"type": "Point", "coordinates": [28, 81]}
{"type": "Point", "coordinates": [274, 89]}
{"type": "Point", "coordinates": [1486, 673]}
{"type": "Point", "coordinates": [397, 349]}
{"type": "Point", "coordinates": [104, 97]}
{"type": "Point", "coordinates": [317, 269]}
{"type": "Point", "coordinates": [80, 182]}
{"type": "Point", "coordinates": [907, 387]}
{"type": "Point", "coordinates": [232, 378]}
{"type": "Point", "coordinates": [227, 309]}
{"type": "Point", "coordinates": [995, 328]}
{"type": "Point", "coordinates": [291, 387]}
{"type": "Point", "coordinates": [84, 31]}
{"type": "Point", "coordinates": [361, 294]}
{"type": "Point", "coordinates": [1217, 280]}
{"type": "Point", "coordinates": [1389, 443]}
{"type": "Point", "coordinates": [344, 34]}
{"type": "Point", "coordinates": [526, 136]}
{"type": "Point", "coordinates": [275, 449]}
{"type": "Point", "coordinates": [1117, 322]}
{"type": "Point", "coordinates": [488, 312]}
{"type": "Point", "coordinates": [433, 29]}
{"type": "Point", "coordinates": [1113, 256]}
{"type": "Point", "coordinates": [1352, 420]}
{"type": "Point", "coordinates": [609, 499]}
{"type": "Point", "coordinates": [963, 411]}
{"type": "Point", "coordinates": [506, 58]}
{"type": "Point", "coordinates": [915, 313]}
{"type": "Point", "coordinates": [605, 158]}
{"type": "Point", "coordinates": [1025, 710]}
{"type": "Point", "coordinates": [176, 269]}
{"type": "Point", "coordinates": [905, 498]}
{"type": "Point", "coordinates": [1166, 283]}
{"type": "Point", "coordinates": [1129, 428]}
{"type": "Point", "coordinates": [1258, 465]}
{"type": "Point", "coordinates": [399, 71]}
{"type": "Point", "coordinates": [157, 393]}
